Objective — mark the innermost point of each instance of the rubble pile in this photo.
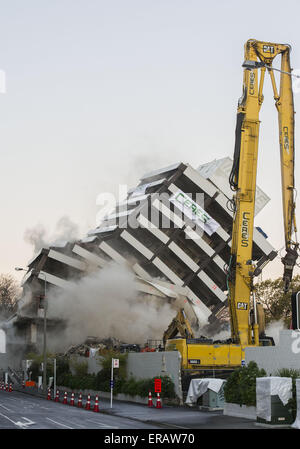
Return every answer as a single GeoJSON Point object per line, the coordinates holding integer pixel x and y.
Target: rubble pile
{"type": "Point", "coordinates": [93, 344]}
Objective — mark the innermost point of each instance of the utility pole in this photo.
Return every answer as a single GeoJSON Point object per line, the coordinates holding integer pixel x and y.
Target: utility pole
{"type": "Point", "coordinates": [45, 339]}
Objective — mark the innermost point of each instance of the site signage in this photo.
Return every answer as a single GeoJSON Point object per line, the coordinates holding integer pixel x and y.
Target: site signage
{"type": "Point", "coordinates": [157, 385]}
{"type": "Point", "coordinates": [195, 212]}
{"type": "Point", "coordinates": [115, 363]}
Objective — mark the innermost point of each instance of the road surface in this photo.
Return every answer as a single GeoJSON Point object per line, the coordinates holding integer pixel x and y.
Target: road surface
{"type": "Point", "coordinates": [19, 410]}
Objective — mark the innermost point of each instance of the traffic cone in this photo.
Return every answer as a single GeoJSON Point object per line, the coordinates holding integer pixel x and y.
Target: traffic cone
{"type": "Point", "coordinates": [79, 404]}
{"type": "Point", "coordinates": [65, 401]}
{"type": "Point", "coordinates": [158, 401]}
{"type": "Point", "coordinates": [96, 406]}
{"type": "Point", "coordinates": [49, 395]}
{"type": "Point", "coordinates": [10, 387]}
{"type": "Point", "coordinates": [88, 403]}
{"type": "Point", "coordinates": [57, 396]}
{"type": "Point", "coordinates": [150, 403]}
{"type": "Point", "coordinates": [72, 399]}
{"type": "Point", "coordinates": [6, 387]}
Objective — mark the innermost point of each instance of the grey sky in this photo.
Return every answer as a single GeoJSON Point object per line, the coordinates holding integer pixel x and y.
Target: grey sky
{"type": "Point", "coordinates": [98, 92]}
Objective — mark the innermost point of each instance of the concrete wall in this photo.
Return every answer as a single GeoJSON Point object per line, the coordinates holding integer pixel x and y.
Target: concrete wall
{"type": "Point", "coordinates": [150, 364]}
{"type": "Point", "coordinates": [286, 354]}
{"type": "Point", "coordinates": [145, 365]}
{"type": "Point", "coordinates": [93, 363]}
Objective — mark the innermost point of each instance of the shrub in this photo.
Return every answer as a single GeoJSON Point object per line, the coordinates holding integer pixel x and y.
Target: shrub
{"type": "Point", "coordinates": [80, 368]}
{"type": "Point", "coordinates": [102, 380]}
{"type": "Point", "coordinates": [142, 387]}
{"type": "Point", "coordinates": [240, 387]}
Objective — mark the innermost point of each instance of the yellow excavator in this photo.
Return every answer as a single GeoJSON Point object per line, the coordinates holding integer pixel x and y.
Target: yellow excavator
{"type": "Point", "coordinates": [179, 325]}
{"type": "Point", "coordinates": [246, 314]}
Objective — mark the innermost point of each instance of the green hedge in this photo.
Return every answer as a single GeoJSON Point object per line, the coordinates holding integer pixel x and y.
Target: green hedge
{"type": "Point", "coordinates": [131, 386]}
{"type": "Point", "coordinates": [240, 387]}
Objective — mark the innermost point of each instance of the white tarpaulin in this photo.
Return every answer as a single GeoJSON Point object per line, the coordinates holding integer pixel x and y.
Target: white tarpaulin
{"type": "Point", "coordinates": [296, 424]}
{"type": "Point", "coordinates": [199, 386]}
{"type": "Point", "coordinates": [195, 212]}
{"type": "Point", "coordinates": [271, 386]}
{"type": "Point", "coordinates": [93, 352]}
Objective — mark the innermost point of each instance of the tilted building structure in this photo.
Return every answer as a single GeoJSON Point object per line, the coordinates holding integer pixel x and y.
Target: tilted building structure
{"type": "Point", "coordinates": [173, 231]}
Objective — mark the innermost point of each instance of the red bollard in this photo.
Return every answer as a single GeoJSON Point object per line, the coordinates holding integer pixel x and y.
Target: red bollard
{"type": "Point", "coordinates": [72, 399]}
{"type": "Point", "coordinates": [158, 402]}
{"type": "Point", "coordinates": [10, 388]}
{"type": "Point", "coordinates": [96, 406]}
{"type": "Point", "coordinates": [57, 396]}
{"type": "Point", "coordinates": [65, 401]}
{"type": "Point", "coordinates": [88, 403]}
{"type": "Point", "coordinates": [150, 403]}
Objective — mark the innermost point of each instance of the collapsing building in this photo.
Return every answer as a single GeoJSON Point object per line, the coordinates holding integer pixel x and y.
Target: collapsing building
{"type": "Point", "coordinates": [173, 231]}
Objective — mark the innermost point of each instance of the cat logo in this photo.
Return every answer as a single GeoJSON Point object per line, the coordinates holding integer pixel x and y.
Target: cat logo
{"type": "Point", "coordinates": [268, 49]}
{"type": "Point", "coordinates": [242, 306]}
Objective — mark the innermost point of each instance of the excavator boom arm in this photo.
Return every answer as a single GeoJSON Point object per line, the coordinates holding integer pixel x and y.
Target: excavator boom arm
{"type": "Point", "coordinates": [258, 56]}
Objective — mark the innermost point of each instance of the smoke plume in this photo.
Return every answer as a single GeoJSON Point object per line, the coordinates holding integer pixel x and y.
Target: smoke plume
{"type": "Point", "coordinates": [106, 304]}
{"type": "Point", "coordinates": [273, 330]}
{"type": "Point", "coordinates": [38, 237]}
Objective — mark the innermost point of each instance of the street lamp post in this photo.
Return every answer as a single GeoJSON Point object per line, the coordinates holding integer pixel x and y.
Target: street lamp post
{"type": "Point", "coordinates": [45, 330]}
{"type": "Point", "coordinates": [45, 338]}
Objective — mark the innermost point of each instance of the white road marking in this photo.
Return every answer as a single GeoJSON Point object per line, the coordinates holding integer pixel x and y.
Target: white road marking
{"type": "Point", "coordinates": [5, 408]}
{"type": "Point", "coordinates": [60, 424]}
{"type": "Point", "coordinates": [174, 425]}
{"type": "Point", "coordinates": [103, 425]}
{"type": "Point", "coordinates": [29, 421]}
{"type": "Point", "coordinates": [24, 425]}
{"type": "Point", "coordinates": [16, 424]}
{"type": "Point", "coordinates": [74, 423]}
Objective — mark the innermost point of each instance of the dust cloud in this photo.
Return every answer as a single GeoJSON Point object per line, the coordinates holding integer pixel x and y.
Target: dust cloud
{"type": "Point", "coordinates": [38, 237]}
{"type": "Point", "coordinates": [273, 330]}
{"type": "Point", "coordinates": [106, 304]}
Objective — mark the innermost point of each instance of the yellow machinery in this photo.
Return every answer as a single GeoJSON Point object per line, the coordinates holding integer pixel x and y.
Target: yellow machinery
{"type": "Point", "coordinates": [180, 324]}
{"type": "Point", "coordinates": [246, 328]}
